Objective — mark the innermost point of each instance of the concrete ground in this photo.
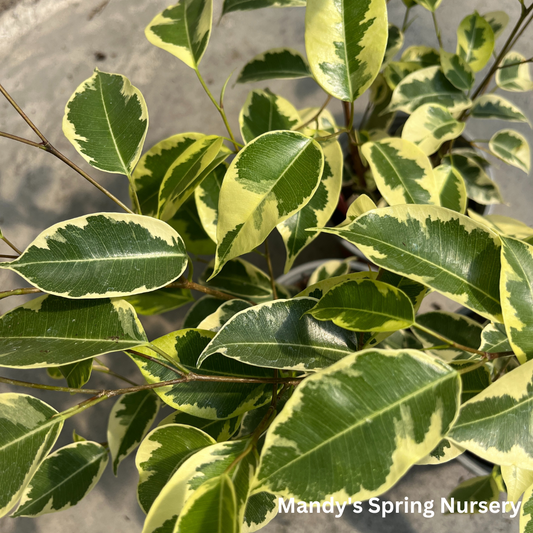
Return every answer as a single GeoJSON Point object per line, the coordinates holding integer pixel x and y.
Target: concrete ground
{"type": "Point", "coordinates": [48, 47]}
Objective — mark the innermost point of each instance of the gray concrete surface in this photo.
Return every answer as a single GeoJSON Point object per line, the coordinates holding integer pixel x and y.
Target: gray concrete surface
{"type": "Point", "coordinates": [47, 48]}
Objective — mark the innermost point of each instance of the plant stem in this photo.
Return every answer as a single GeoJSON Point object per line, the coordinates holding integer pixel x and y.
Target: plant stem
{"type": "Point", "coordinates": [518, 63]}
{"type": "Point", "coordinates": [437, 29]}
{"type": "Point", "coordinates": [6, 256]}
{"type": "Point", "coordinates": [47, 387]}
{"type": "Point", "coordinates": [19, 292]}
{"type": "Point", "coordinates": [134, 196]}
{"type": "Point", "coordinates": [270, 271]}
{"type": "Point", "coordinates": [11, 245]}
{"type": "Point", "coordinates": [47, 147]}
{"type": "Point", "coordinates": [105, 370]}
{"type": "Point", "coordinates": [219, 108]}
{"type": "Point", "coordinates": [357, 163]}
{"type": "Point", "coordinates": [406, 19]}
{"type": "Point", "coordinates": [317, 114]}
{"type": "Point", "coordinates": [183, 371]}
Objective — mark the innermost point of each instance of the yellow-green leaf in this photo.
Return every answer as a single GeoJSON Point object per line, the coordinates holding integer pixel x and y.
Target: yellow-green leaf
{"type": "Point", "coordinates": [517, 480]}
{"type": "Point", "coordinates": [513, 148]}
{"type": "Point", "coordinates": [457, 70]}
{"type": "Point", "coordinates": [475, 41]}
{"type": "Point", "coordinates": [275, 64]}
{"type": "Point", "coordinates": [451, 187]}
{"type": "Point", "coordinates": [497, 107]}
{"type": "Point", "coordinates": [513, 74]}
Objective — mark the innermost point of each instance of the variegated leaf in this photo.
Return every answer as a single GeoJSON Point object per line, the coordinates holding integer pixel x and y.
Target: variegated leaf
{"type": "Point", "coordinates": [402, 171]}
{"type": "Point", "coordinates": [153, 166]}
{"type": "Point", "coordinates": [329, 269]}
{"type": "Point", "coordinates": [430, 5]}
{"type": "Point", "coordinates": [479, 187]}
{"type": "Point", "coordinates": [443, 453]}
{"type": "Point", "coordinates": [513, 148]}
{"type": "Point", "coordinates": [496, 424]}
{"type": "Point", "coordinates": [526, 511]}
{"type": "Point", "coordinates": [77, 374]}
{"type": "Point", "coordinates": [325, 122]}
{"type": "Point", "coordinates": [212, 400]}
{"type": "Point", "coordinates": [280, 334]}
{"type": "Point", "coordinates": [64, 478]}
{"type": "Point", "coordinates": [275, 64]}
{"type": "Point", "coordinates": [425, 56]}
{"type": "Point", "coordinates": [345, 44]}
{"type": "Point", "coordinates": [201, 309]}
{"type": "Point", "coordinates": [516, 286]}
{"type": "Point", "coordinates": [475, 41]}
{"type": "Point", "coordinates": [428, 86]}
{"type": "Point", "coordinates": [160, 301]}
{"type": "Point", "coordinates": [474, 381]}
{"type": "Point", "coordinates": [457, 70]}
{"type": "Point", "coordinates": [467, 496]}
{"type": "Point", "coordinates": [402, 240]}
{"type": "Point", "coordinates": [248, 5]}
{"type": "Point", "coordinates": [215, 321]}
{"type": "Point", "coordinates": [220, 430]}
{"type": "Point", "coordinates": [430, 126]}
{"type": "Point", "coordinates": [129, 422]}
{"type": "Point", "coordinates": [51, 331]}
{"type": "Point", "coordinates": [187, 172]}
{"type": "Point", "coordinates": [396, 71]}
{"type": "Point", "coordinates": [504, 225]}
{"type": "Point", "coordinates": [498, 21]}
{"type": "Point", "coordinates": [265, 111]}
{"type": "Point", "coordinates": [206, 196]}
{"type": "Point", "coordinates": [318, 211]}
{"type": "Point", "coordinates": [183, 30]}
{"type": "Point", "coordinates": [258, 192]}
{"type": "Point", "coordinates": [160, 455]}
{"type": "Point", "coordinates": [318, 289]}
{"type": "Point", "coordinates": [392, 427]}
{"type": "Point", "coordinates": [365, 305]}
{"type": "Point", "coordinates": [86, 257]}
{"type": "Point", "coordinates": [361, 205]}
{"type": "Point", "coordinates": [517, 480]}
{"type": "Point", "coordinates": [106, 120]}
{"type": "Point", "coordinates": [451, 187]}
{"type": "Point", "coordinates": [494, 339]}
{"type": "Point", "coordinates": [261, 508]}
{"type": "Point", "coordinates": [394, 42]}
{"type": "Point", "coordinates": [497, 107]}
{"type": "Point", "coordinates": [513, 74]}
{"type": "Point", "coordinates": [27, 434]}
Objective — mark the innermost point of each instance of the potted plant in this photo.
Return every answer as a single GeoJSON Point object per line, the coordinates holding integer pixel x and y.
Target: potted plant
{"type": "Point", "coordinates": [273, 388]}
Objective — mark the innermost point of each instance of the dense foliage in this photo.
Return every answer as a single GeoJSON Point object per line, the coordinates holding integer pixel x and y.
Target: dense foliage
{"type": "Point", "coordinates": [274, 388]}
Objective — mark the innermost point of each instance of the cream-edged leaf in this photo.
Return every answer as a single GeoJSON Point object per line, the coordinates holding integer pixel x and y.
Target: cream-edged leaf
{"type": "Point", "coordinates": [402, 239]}
{"type": "Point", "coordinates": [494, 339]}
{"type": "Point", "coordinates": [517, 480]}
{"type": "Point", "coordinates": [457, 70]}
{"type": "Point", "coordinates": [361, 205]}
{"type": "Point", "coordinates": [160, 301]}
{"type": "Point", "coordinates": [215, 321]}
{"type": "Point", "coordinates": [258, 191]}
{"type": "Point", "coordinates": [402, 171]}
{"type": "Point", "coordinates": [498, 21]}
{"type": "Point", "coordinates": [475, 41]}
{"type": "Point", "coordinates": [206, 196]}
{"type": "Point", "coordinates": [64, 478]}
{"type": "Point", "coordinates": [261, 508]}
{"type": "Point", "coordinates": [513, 148]}
{"type": "Point", "coordinates": [497, 107]}
{"type": "Point", "coordinates": [345, 44]}
{"type": "Point", "coordinates": [201, 309]}
{"type": "Point", "coordinates": [220, 430]}
{"type": "Point", "coordinates": [86, 257]}
{"type": "Point", "coordinates": [392, 426]}
{"type": "Point", "coordinates": [106, 120]}
{"type": "Point", "coordinates": [51, 331]}
{"type": "Point", "coordinates": [526, 511]}
{"type": "Point", "coordinates": [396, 71]}
{"type": "Point", "coordinates": [183, 30]}
{"type": "Point", "coordinates": [129, 422]}
{"type": "Point", "coordinates": [513, 74]}
{"type": "Point", "coordinates": [425, 56]}
{"type": "Point", "coordinates": [443, 453]}
{"type": "Point", "coordinates": [329, 269]}
{"type": "Point", "coordinates": [451, 187]}
{"type": "Point", "coordinates": [275, 64]}
{"type": "Point", "coordinates": [504, 225]}
{"type": "Point", "coordinates": [394, 42]}
{"type": "Point", "coordinates": [249, 5]}
{"type": "Point", "coordinates": [430, 5]}
{"type": "Point", "coordinates": [280, 334]}
{"type": "Point", "coordinates": [318, 289]}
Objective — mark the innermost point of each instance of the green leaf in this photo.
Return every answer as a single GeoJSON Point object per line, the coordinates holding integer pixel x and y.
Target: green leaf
{"type": "Point", "coordinates": [396, 71]}
{"type": "Point", "coordinates": [475, 41]}
{"type": "Point", "coordinates": [63, 479]}
{"type": "Point", "coordinates": [187, 172]}
{"type": "Point", "coordinates": [517, 481]}
{"type": "Point", "coordinates": [453, 326]}
{"type": "Point", "coordinates": [211, 509]}
{"type": "Point", "coordinates": [498, 21]}
{"type": "Point", "coordinates": [239, 278]}
{"type": "Point", "coordinates": [431, 5]}
{"type": "Point", "coordinates": [160, 455]}
{"type": "Point", "coordinates": [365, 305]}
{"type": "Point", "coordinates": [201, 309]}
{"type": "Point", "coordinates": [452, 188]}
{"type": "Point", "coordinates": [517, 295]}
{"type": "Point", "coordinates": [206, 196]}
{"type": "Point", "coordinates": [496, 424]}
{"type": "Point", "coordinates": [402, 171]}
{"type": "Point", "coordinates": [497, 107]}
{"type": "Point", "coordinates": [526, 511]}
{"type": "Point", "coordinates": [265, 111]}
{"type": "Point", "coordinates": [51, 331]}
{"type": "Point", "coordinates": [329, 269]}
{"type": "Point", "coordinates": [183, 30]}
{"type": "Point", "coordinates": [474, 382]}
{"type": "Point", "coordinates": [160, 301]}
{"type": "Point", "coordinates": [428, 86]}
{"type": "Point", "coordinates": [318, 289]}
{"type": "Point", "coordinates": [77, 374]}
{"type": "Point", "coordinates": [391, 427]}
{"type": "Point", "coordinates": [345, 44]}
{"type": "Point", "coordinates": [467, 496]}
{"type": "Point", "coordinates": [211, 400]}
{"type": "Point", "coordinates": [402, 239]}
{"type": "Point", "coordinates": [106, 120]}
{"type": "Point", "coordinates": [86, 257]}
{"type": "Point", "coordinates": [262, 187]}
{"type": "Point", "coordinates": [443, 453]}
{"type": "Point", "coordinates": [513, 74]}
{"type": "Point", "coordinates": [361, 205]}
{"type": "Point", "coordinates": [479, 187]}
{"type": "Point", "coordinates": [425, 56]}
{"type": "Point", "coordinates": [261, 508]}
{"type": "Point", "coordinates": [394, 42]}
{"type": "Point", "coordinates": [457, 70]}
{"type": "Point", "coordinates": [275, 64]}
{"type": "Point", "coordinates": [318, 211]}
{"type": "Point", "coordinates": [220, 430]}
{"type": "Point", "coordinates": [27, 434]}
{"type": "Point", "coordinates": [129, 422]}
{"type": "Point", "coordinates": [494, 339]}
{"type": "Point", "coordinates": [215, 321]}
{"type": "Point", "coordinates": [248, 5]}
{"type": "Point", "coordinates": [280, 334]}
{"type": "Point", "coordinates": [198, 469]}
{"type": "Point", "coordinates": [504, 225]}
{"type": "Point", "coordinates": [513, 148]}
{"type": "Point", "coordinates": [153, 166]}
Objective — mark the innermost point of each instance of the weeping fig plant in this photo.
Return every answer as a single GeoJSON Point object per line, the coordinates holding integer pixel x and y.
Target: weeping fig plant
{"type": "Point", "coordinates": [267, 386]}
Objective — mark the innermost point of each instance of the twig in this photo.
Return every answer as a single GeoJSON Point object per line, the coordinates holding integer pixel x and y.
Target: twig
{"type": "Point", "coordinates": [270, 271]}
{"type": "Point", "coordinates": [317, 114]}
